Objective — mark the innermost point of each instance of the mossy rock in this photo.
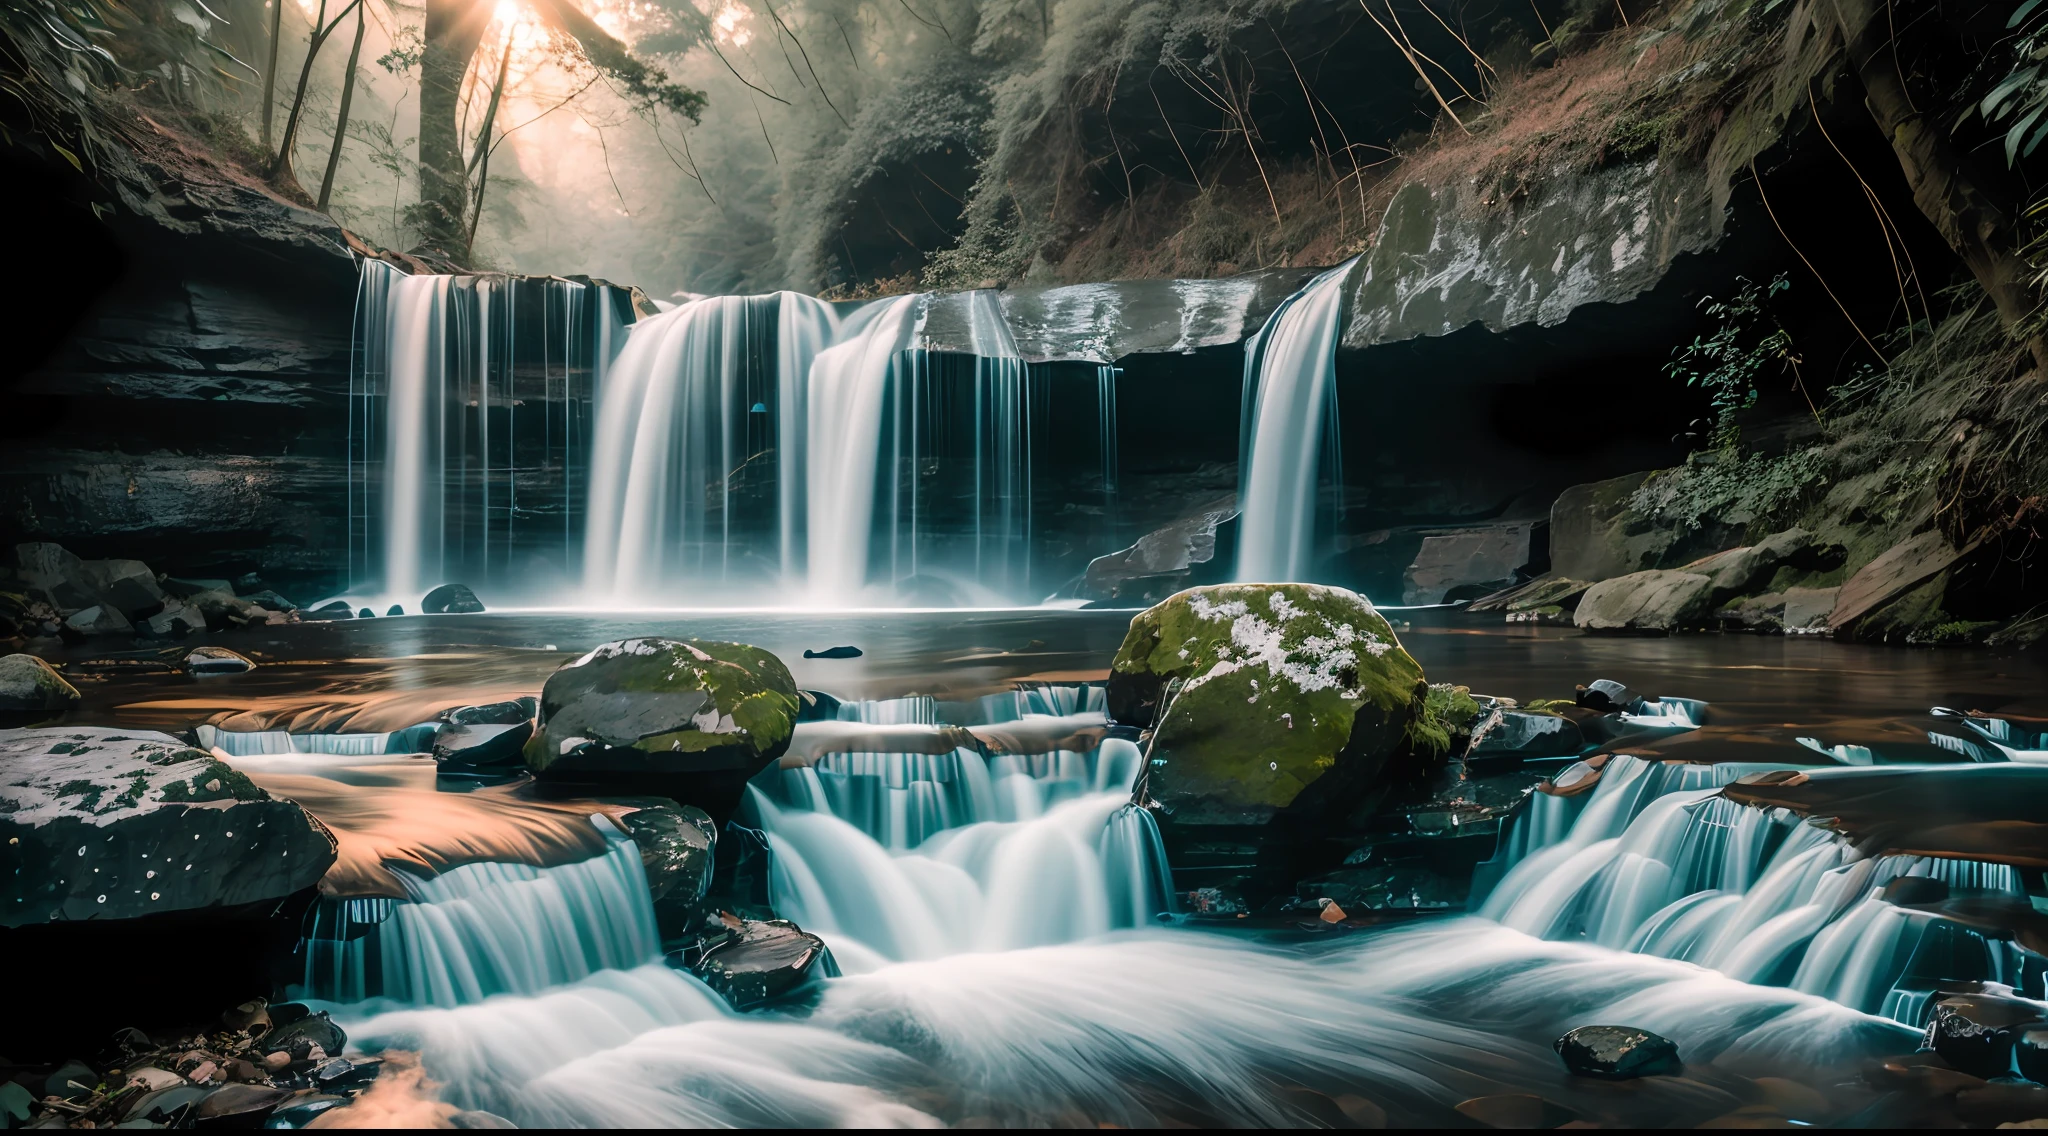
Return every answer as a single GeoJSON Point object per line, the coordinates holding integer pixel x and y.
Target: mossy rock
{"type": "Point", "coordinates": [1283, 686]}
{"type": "Point", "coordinates": [27, 683]}
{"type": "Point", "coordinates": [666, 708]}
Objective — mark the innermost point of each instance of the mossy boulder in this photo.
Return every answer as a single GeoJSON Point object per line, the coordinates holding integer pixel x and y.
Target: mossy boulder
{"type": "Point", "coordinates": [681, 718]}
{"type": "Point", "coordinates": [102, 823]}
{"type": "Point", "coordinates": [29, 683]}
{"type": "Point", "coordinates": [1280, 687]}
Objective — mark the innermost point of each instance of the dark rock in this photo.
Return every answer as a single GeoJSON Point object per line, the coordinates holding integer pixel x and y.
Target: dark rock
{"type": "Point", "coordinates": [54, 576]}
{"type": "Point", "coordinates": [1977, 1033]}
{"type": "Point", "coordinates": [102, 824]}
{"type": "Point", "coordinates": [127, 586]}
{"type": "Point", "coordinates": [761, 960]}
{"type": "Point", "coordinates": [1165, 560]}
{"type": "Point", "coordinates": [301, 1111]}
{"type": "Point", "coordinates": [365, 613]}
{"type": "Point", "coordinates": [2030, 1053]}
{"type": "Point", "coordinates": [238, 1106]}
{"type": "Point", "coordinates": [1274, 687]}
{"type": "Point", "coordinates": [186, 589]}
{"type": "Point", "coordinates": [834, 653]}
{"type": "Point", "coordinates": [678, 848]}
{"type": "Point", "coordinates": [818, 706]}
{"type": "Point", "coordinates": [224, 611]}
{"type": "Point", "coordinates": [167, 1107]}
{"type": "Point", "coordinates": [249, 582]}
{"type": "Point", "coordinates": [1617, 1053]}
{"type": "Point", "coordinates": [1453, 562]}
{"type": "Point", "coordinates": [674, 718]}
{"type": "Point", "coordinates": [300, 1036]}
{"type": "Point", "coordinates": [29, 683]}
{"type": "Point", "coordinates": [478, 1118]}
{"type": "Point", "coordinates": [395, 609]}
{"type": "Point", "coordinates": [339, 1074]}
{"type": "Point", "coordinates": [71, 1080]}
{"type": "Point", "coordinates": [1524, 733]}
{"type": "Point", "coordinates": [510, 712]}
{"type": "Point", "coordinates": [1909, 890]}
{"type": "Point", "coordinates": [451, 599]}
{"type": "Point", "coordinates": [459, 745]}
{"type": "Point", "coordinates": [270, 601]}
{"type": "Point", "coordinates": [1605, 695]}
{"type": "Point", "coordinates": [99, 619]}
{"type": "Point", "coordinates": [176, 621]}
{"type": "Point", "coordinates": [335, 609]}
{"type": "Point", "coordinates": [216, 661]}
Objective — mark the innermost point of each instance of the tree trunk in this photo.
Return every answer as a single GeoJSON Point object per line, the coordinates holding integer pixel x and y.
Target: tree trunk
{"type": "Point", "coordinates": [270, 72]}
{"type": "Point", "coordinates": [1945, 185]}
{"type": "Point", "coordinates": [348, 90]}
{"type": "Point", "coordinates": [454, 29]}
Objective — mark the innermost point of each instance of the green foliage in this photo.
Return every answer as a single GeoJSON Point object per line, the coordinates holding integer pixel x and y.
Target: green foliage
{"type": "Point", "coordinates": [2019, 102]}
{"type": "Point", "coordinates": [1725, 488]}
{"type": "Point", "coordinates": [1727, 363]}
{"type": "Point", "coordinates": [1446, 710]}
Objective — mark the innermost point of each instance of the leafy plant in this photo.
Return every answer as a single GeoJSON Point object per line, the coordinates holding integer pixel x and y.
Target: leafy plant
{"type": "Point", "coordinates": [1727, 363]}
{"type": "Point", "coordinates": [1740, 491]}
{"type": "Point", "coordinates": [2020, 100]}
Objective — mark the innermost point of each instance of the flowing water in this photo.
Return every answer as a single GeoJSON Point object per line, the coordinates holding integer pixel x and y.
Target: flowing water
{"type": "Point", "coordinates": [1290, 430]}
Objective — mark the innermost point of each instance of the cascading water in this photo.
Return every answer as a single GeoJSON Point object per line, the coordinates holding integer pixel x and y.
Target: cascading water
{"type": "Point", "coordinates": [462, 389]}
{"type": "Point", "coordinates": [681, 422]}
{"type": "Point", "coordinates": [849, 390]}
{"type": "Point", "coordinates": [1290, 429]}
{"type": "Point", "coordinates": [1654, 861]}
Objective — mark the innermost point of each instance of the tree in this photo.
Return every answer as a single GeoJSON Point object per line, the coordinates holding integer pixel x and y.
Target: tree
{"type": "Point", "coordinates": [454, 32]}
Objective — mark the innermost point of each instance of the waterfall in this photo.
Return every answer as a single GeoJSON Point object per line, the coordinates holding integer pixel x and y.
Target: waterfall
{"type": "Point", "coordinates": [461, 389]}
{"type": "Point", "coordinates": [1656, 862]}
{"type": "Point", "coordinates": [681, 422]}
{"type": "Point", "coordinates": [849, 392]}
{"type": "Point", "coordinates": [480, 930]}
{"type": "Point", "coordinates": [1290, 429]}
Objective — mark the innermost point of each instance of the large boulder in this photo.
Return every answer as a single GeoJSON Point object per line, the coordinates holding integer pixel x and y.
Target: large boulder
{"type": "Point", "coordinates": [127, 586]}
{"type": "Point", "coordinates": [29, 683]}
{"type": "Point", "coordinates": [115, 824]}
{"type": "Point", "coordinates": [54, 576]}
{"type": "Point", "coordinates": [1165, 560]}
{"type": "Point", "coordinates": [1267, 689]}
{"type": "Point", "coordinates": [687, 719]}
{"type": "Point", "coordinates": [1662, 599]}
{"type": "Point", "coordinates": [224, 611]}
{"type": "Point", "coordinates": [450, 599]}
{"type": "Point", "coordinates": [99, 619]}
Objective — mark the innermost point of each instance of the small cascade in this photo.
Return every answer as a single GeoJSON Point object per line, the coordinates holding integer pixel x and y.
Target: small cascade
{"type": "Point", "coordinates": [1106, 377]}
{"type": "Point", "coordinates": [1290, 429]}
{"type": "Point", "coordinates": [480, 930]}
{"type": "Point", "coordinates": [682, 438]}
{"type": "Point", "coordinates": [1002, 449]}
{"type": "Point", "coordinates": [260, 743]}
{"type": "Point", "coordinates": [850, 394]}
{"type": "Point", "coordinates": [467, 394]}
{"type": "Point", "coordinates": [1655, 861]}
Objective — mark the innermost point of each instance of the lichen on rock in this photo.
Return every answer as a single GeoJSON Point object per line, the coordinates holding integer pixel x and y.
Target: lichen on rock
{"type": "Point", "coordinates": [1279, 686]}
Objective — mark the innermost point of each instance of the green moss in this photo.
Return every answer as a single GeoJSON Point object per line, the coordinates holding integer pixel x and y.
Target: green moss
{"type": "Point", "coordinates": [87, 792]}
{"type": "Point", "coordinates": [752, 700]}
{"type": "Point", "coordinates": [1446, 710]}
{"type": "Point", "coordinates": [1278, 682]}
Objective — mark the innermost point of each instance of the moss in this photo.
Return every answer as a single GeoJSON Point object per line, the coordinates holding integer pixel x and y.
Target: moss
{"type": "Point", "coordinates": [87, 792]}
{"type": "Point", "coordinates": [744, 685]}
{"type": "Point", "coordinates": [1278, 684]}
{"type": "Point", "coordinates": [1446, 710]}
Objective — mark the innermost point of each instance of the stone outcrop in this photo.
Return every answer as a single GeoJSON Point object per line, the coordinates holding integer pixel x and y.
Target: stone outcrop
{"type": "Point", "coordinates": [1261, 691]}
{"type": "Point", "coordinates": [1664, 600]}
{"type": "Point", "coordinates": [686, 719]}
{"type": "Point", "coordinates": [1165, 560]}
{"type": "Point", "coordinates": [1105, 322]}
{"type": "Point", "coordinates": [28, 683]}
{"type": "Point", "coordinates": [118, 824]}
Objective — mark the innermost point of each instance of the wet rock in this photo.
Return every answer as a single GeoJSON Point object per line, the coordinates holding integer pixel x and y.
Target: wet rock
{"type": "Point", "coordinates": [299, 1037]}
{"type": "Point", "coordinates": [1659, 600]}
{"type": "Point", "coordinates": [114, 824]}
{"type": "Point", "coordinates": [1604, 695]}
{"type": "Point", "coordinates": [1976, 1033]}
{"type": "Point", "coordinates": [224, 611]}
{"type": "Point", "coordinates": [166, 1107]}
{"type": "Point", "coordinates": [238, 1106]}
{"type": "Point", "coordinates": [1266, 689]}
{"type": "Point", "coordinates": [478, 1118]}
{"type": "Point", "coordinates": [1617, 1053]}
{"type": "Point", "coordinates": [29, 683]}
{"type": "Point", "coordinates": [269, 600]}
{"type": "Point", "coordinates": [54, 576]}
{"type": "Point", "coordinates": [99, 619]}
{"type": "Point", "coordinates": [395, 609]}
{"type": "Point", "coordinates": [1516, 1110]}
{"type": "Point", "coordinates": [818, 706]}
{"type": "Point", "coordinates": [834, 653]}
{"type": "Point", "coordinates": [758, 961]}
{"type": "Point", "coordinates": [175, 621]}
{"type": "Point", "coordinates": [510, 712]}
{"type": "Point", "coordinates": [216, 661]}
{"type": "Point", "coordinates": [645, 711]}
{"type": "Point", "coordinates": [301, 1110]}
{"type": "Point", "coordinates": [16, 1104]}
{"type": "Point", "coordinates": [335, 609]}
{"type": "Point", "coordinates": [2030, 1053]}
{"type": "Point", "coordinates": [678, 846]}
{"type": "Point", "coordinates": [365, 613]}
{"type": "Point", "coordinates": [1524, 733]}
{"type": "Point", "coordinates": [1191, 550]}
{"type": "Point", "coordinates": [1908, 890]}
{"type": "Point", "coordinates": [460, 746]}
{"type": "Point", "coordinates": [128, 586]}
{"type": "Point", "coordinates": [1457, 563]}
{"type": "Point", "coordinates": [451, 599]}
